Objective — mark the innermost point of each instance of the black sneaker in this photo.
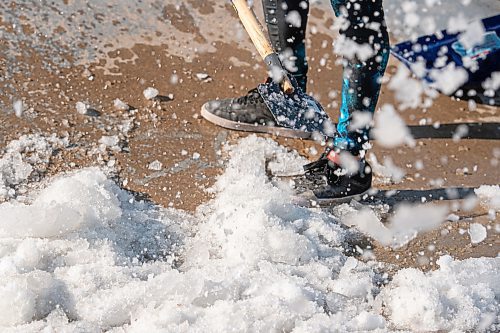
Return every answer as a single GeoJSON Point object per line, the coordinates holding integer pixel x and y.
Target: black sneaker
{"type": "Point", "coordinates": [247, 113]}
{"type": "Point", "coordinates": [325, 181]}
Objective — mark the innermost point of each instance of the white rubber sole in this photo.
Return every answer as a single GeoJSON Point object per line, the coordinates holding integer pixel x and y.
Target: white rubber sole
{"type": "Point", "coordinates": [308, 199]}
{"type": "Point", "coordinates": [234, 125]}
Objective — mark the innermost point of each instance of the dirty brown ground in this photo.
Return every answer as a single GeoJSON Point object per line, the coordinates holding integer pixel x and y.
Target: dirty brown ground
{"type": "Point", "coordinates": [165, 127]}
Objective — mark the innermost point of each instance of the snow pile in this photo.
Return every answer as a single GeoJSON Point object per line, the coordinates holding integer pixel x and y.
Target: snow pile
{"type": "Point", "coordinates": [86, 256]}
{"type": "Point", "coordinates": [24, 160]}
{"type": "Point", "coordinates": [461, 296]}
{"type": "Point", "coordinates": [82, 251]}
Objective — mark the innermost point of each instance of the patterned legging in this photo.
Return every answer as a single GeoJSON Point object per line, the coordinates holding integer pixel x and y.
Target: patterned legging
{"type": "Point", "coordinates": [365, 25]}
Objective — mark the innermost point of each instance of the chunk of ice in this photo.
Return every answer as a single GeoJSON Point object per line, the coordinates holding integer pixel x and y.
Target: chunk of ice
{"type": "Point", "coordinates": [150, 93]}
{"type": "Point", "coordinates": [81, 107]}
{"type": "Point", "coordinates": [121, 105]}
{"type": "Point", "coordinates": [477, 233]}
{"type": "Point", "coordinates": [155, 165]}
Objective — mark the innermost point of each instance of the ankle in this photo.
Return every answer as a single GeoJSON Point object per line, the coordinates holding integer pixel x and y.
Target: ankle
{"type": "Point", "coordinates": [336, 155]}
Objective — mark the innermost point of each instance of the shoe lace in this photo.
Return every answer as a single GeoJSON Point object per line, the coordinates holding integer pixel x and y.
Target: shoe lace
{"type": "Point", "coordinates": [317, 165]}
{"type": "Point", "coordinates": [320, 169]}
{"type": "Point", "coordinates": [252, 97]}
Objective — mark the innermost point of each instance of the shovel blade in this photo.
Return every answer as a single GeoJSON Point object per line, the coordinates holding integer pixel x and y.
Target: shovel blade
{"type": "Point", "coordinates": [297, 111]}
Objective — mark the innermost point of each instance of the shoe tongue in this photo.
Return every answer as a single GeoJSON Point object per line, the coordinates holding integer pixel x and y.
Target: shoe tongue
{"type": "Point", "coordinates": [316, 164]}
{"type": "Point", "coordinates": [253, 91]}
{"type": "Point", "coordinates": [251, 95]}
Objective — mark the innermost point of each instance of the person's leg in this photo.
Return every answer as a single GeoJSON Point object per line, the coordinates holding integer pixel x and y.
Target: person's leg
{"type": "Point", "coordinates": [286, 23]}
{"type": "Point", "coordinates": [336, 174]}
{"type": "Point", "coordinates": [362, 77]}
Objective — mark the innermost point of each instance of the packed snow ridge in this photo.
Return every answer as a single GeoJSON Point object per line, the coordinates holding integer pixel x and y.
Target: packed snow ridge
{"type": "Point", "coordinates": [85, 255]}
{"type": "Point", "coordinates": [25, 160]}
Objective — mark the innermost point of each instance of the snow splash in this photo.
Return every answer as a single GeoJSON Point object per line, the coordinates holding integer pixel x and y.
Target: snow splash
{"type": "Point", "coordinates": [85, 255]}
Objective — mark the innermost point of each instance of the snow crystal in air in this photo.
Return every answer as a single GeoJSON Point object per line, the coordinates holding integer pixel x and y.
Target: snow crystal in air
{"type": "Point", "coordinates": [407, 90]}
{"type": "Point", "coordinates": [449, 78]}
{"type": "Point", "coordinates": [457, 23]}
{"type": "Point", "coordinates": [390, 130]}
{"type": "Point", "coordinates": [369, 224]}
{"type": "Point", "coordinates": [293, 17]}
{"type": "Point", "coordinates": [406, 223]}
{"type": "Point", "coordinates": [461, 131]}
{"type": "Point", "coordinates": [473, 35]}
{"type": "Point", "coordinates": [410, 220]}
{"type": "Point", "coordinates": [174, 79]}
{"type": "Point", "coordinates": [412, 19]}
{"type": "Point", "coordinates": [349, 162]}
{"type": "Point", "coordinates": [493, 82]}
{"type": "Point", "coordinates": [350, 49]}
{"type": "Point", "coordinates": [388, 172]}
{"type": "Point", "coordinates": [360, 120]}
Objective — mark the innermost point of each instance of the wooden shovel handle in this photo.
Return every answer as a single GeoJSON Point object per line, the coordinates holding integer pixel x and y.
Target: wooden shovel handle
{"type": "Point", "coordinates": [256, 33]}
